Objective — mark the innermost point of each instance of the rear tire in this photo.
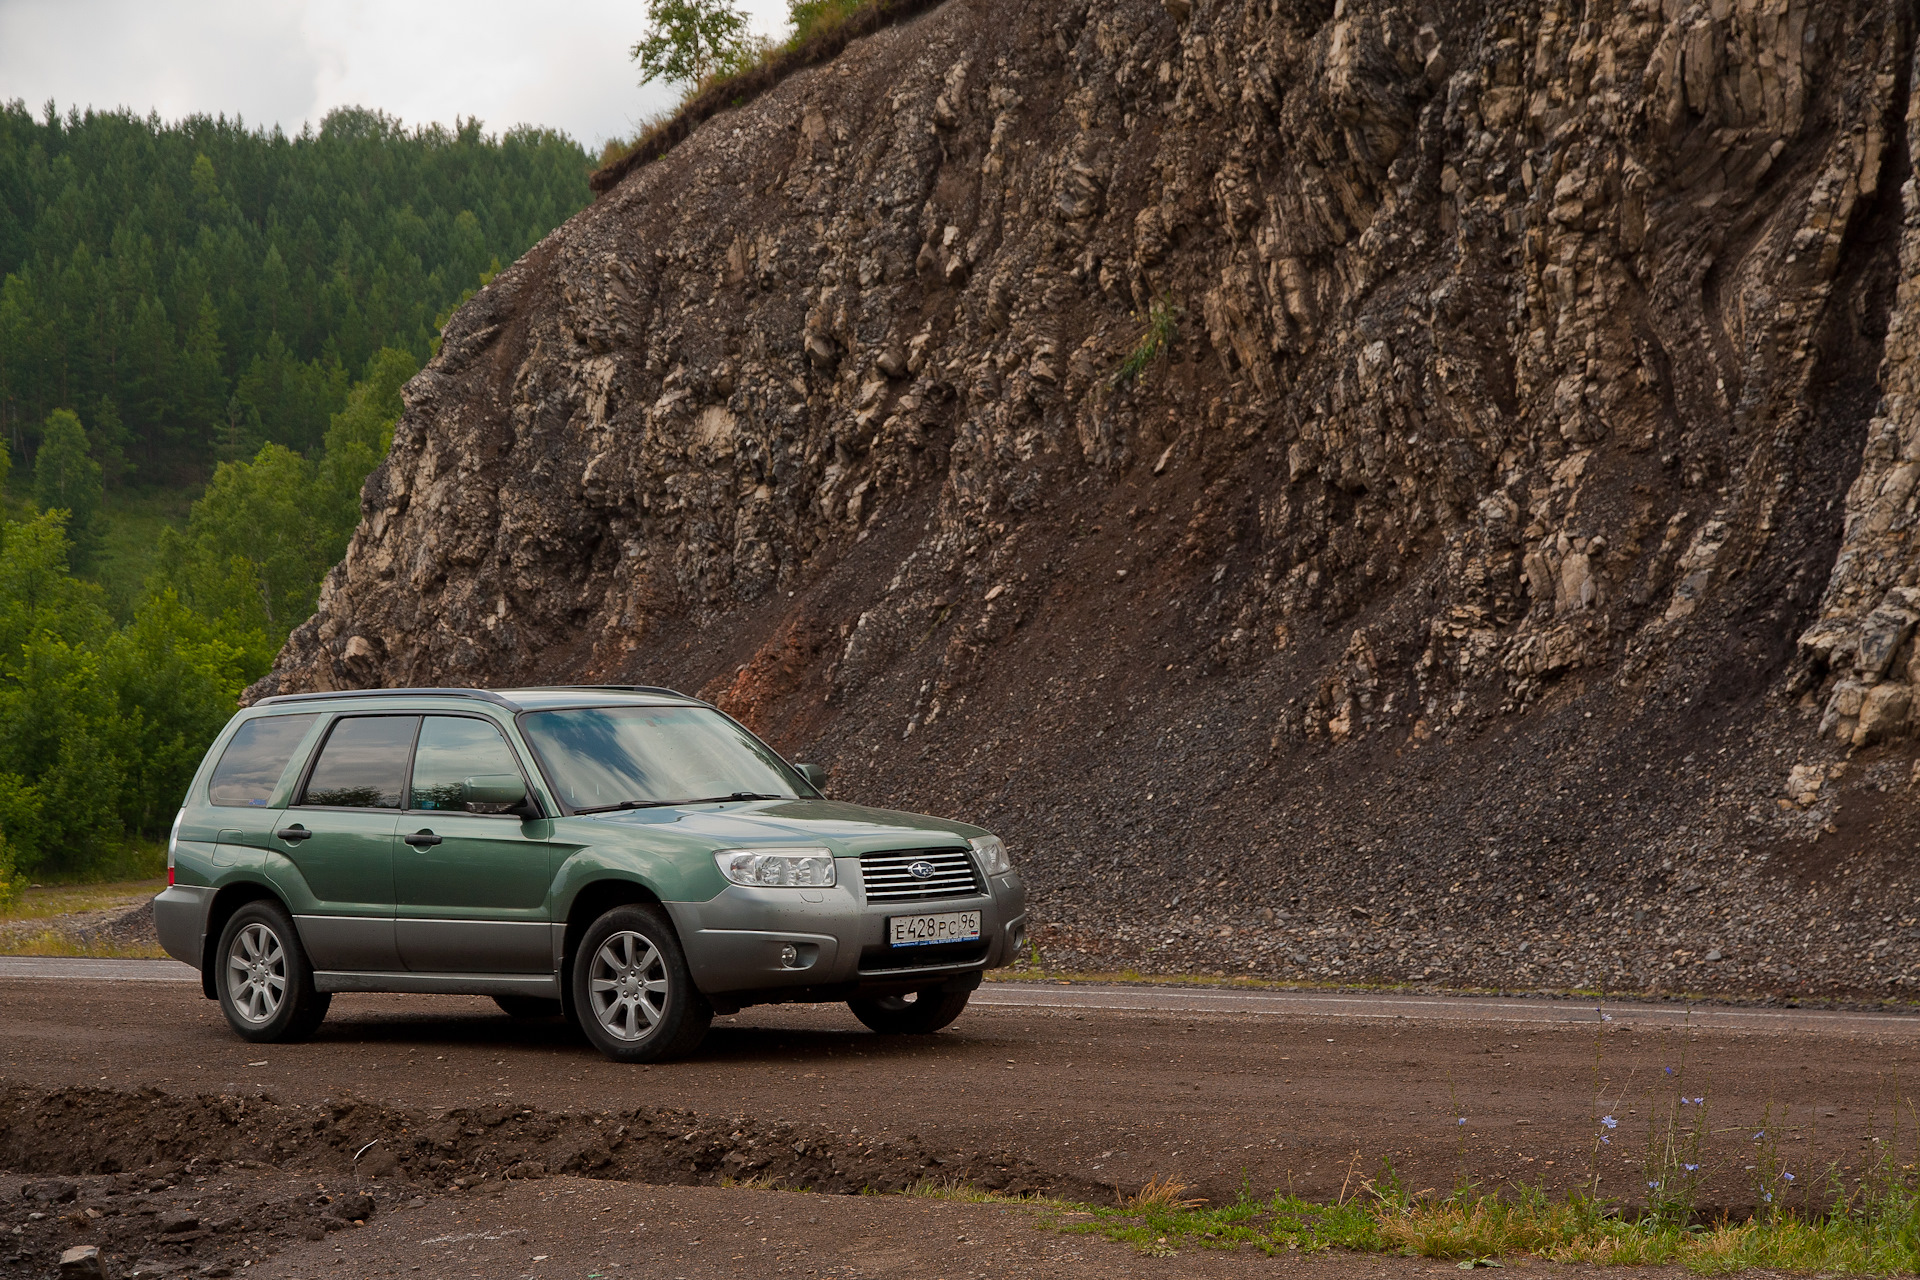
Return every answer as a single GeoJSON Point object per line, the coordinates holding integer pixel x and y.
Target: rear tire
{"type": "Point", "coordinates": [633, 995]}
{"type": "Point", "coordinates": [917, 1013]}
{"type": "Point", "coordinates": [528, 1008]}
{"type": "Point", "coordinates": [263, 978]}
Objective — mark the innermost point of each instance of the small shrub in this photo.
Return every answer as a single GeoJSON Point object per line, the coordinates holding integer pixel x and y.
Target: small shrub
{"type": "Point", "coordinates": [1159, 331]}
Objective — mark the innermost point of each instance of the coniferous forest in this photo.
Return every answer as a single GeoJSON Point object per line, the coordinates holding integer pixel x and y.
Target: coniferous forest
{"type": "Point", "coordinates": [204, 329]}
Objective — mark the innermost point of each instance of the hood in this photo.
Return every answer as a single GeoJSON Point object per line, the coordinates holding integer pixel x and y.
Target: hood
{"type": "Point", "coordinates": [847, 829]}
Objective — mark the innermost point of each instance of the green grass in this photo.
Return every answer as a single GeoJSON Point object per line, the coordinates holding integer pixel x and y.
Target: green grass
{"type": "Point", "coordinates": [43, 902]}
{"type": "Point", "coordinates": [1156, 336]}
{"type": "Point", "coordinates": [1874, 1232]}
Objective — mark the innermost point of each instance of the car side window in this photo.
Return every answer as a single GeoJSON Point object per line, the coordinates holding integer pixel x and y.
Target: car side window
{"type": "Point", "coordinates": [453, 749]}
{"type": "Point", "coordinates": [255, 757]}
{"type": "Point", "coordinates": [363, 764]}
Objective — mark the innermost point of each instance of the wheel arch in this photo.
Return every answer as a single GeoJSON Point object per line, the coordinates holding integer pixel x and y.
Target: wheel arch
{"type": "Point", "coordinates": [229, 900]}
{"type": "Point", "coordinates": [590, 902]}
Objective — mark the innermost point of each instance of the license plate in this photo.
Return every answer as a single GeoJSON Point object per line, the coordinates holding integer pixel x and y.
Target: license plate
{"type": "Point", "coordinates": [926, 931]}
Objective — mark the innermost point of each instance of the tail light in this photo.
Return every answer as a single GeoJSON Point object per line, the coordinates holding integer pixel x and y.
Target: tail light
{"type": "Point", "coordinates": [173, 841]}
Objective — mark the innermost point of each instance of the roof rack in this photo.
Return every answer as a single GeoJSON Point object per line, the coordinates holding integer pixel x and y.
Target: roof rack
{"type": "Point", "coordinates": [483, 695]}
{"type": "Point", "coordinates": [615, 688]}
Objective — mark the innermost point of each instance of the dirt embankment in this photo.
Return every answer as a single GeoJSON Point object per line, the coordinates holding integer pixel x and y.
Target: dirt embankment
{"type": "Point", "coordinates": [1504, 575]}
{"type": "Point", "coordinates": [135, 1164]}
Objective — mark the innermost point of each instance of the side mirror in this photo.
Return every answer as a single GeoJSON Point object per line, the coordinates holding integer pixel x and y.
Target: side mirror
{"type": "Point", "coordinates": [495, 793]}
{"type": "Point", "coordinates": [816, 776]}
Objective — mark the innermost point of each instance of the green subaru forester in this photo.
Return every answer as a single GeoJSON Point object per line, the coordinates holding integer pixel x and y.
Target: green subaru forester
{"type": "Point", "coordinates": [629, 857]}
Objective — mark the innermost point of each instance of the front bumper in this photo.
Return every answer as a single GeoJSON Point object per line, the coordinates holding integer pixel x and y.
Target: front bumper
{"type": "Point", "coordinates": [737, 942]}
{"type": "Point", "coordinates": [180, 918]}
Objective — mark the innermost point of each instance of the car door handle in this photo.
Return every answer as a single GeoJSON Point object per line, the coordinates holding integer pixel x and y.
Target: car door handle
{"type": "Point", "coordinates": [421, 839]}
{"type": "Point", "coordinates": [293, 834]}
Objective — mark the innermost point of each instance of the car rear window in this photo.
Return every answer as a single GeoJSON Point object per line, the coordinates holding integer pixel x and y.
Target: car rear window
{"type": "Point", "coordinates": [257, 755]}
{"type": "Point", "coordinates": [363, 764]}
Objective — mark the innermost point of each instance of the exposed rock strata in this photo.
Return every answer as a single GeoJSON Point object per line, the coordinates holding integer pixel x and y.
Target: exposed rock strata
{"type": "Point", "coordinates": [1509, 549]}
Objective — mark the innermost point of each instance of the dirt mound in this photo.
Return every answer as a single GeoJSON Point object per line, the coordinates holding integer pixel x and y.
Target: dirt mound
{"type": "Point", "coordinates": [1420, 492]}
{"type": "Point", "coordinates": [102, 1131]}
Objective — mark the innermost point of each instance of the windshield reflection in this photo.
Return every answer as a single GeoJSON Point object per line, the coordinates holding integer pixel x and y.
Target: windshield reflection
{"type": "Point", "coordinates": [609, 757]}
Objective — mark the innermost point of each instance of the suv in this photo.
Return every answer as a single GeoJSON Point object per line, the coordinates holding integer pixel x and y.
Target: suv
{"type": "Point", "coordinates": [629, 857]}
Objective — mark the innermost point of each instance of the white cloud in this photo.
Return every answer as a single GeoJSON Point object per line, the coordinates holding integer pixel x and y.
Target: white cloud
{"type": "Point", "coordinates": [288, 62]}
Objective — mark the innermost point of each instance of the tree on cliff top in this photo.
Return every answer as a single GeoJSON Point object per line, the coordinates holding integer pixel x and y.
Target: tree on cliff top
{"type": "Point", "coordinates": [687, 41]}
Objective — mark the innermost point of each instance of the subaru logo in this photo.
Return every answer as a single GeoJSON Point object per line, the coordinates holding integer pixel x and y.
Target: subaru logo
{"type": "Point", "coordinates": [922, 870]}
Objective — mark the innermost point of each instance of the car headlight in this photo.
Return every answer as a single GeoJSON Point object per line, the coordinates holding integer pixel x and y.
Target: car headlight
{"type": "Point", "coordinates": [780, 868]}
{"type": "Point", "coordinates": [992, 854]}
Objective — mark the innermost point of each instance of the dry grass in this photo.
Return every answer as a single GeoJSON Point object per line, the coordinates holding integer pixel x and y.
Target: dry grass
{"type": "Point", "coordinates": [1163, 1194]}
{"type": "Point", "coordinates": [42, 902]}
{"type": "Point", "coordinates": [52, 942]}
{"type": "Point", "coordinates": [68, 919]}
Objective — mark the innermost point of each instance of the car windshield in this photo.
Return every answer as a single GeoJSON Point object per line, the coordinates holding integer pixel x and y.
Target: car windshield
{"type": "Point", "coordinates": [633, 757]}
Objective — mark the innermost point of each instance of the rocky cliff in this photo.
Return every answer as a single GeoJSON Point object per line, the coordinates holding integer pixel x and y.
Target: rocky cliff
{"type": "Point", "coordinates": [1390, 489]}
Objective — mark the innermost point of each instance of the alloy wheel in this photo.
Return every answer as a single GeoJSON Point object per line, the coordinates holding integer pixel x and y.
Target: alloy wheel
{"type": "Point", "coordinates": [257, 973]}
{"type": "Point", "coordinates": [628, 985]}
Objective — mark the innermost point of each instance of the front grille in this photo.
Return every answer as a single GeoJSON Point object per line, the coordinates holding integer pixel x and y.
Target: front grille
{"type": "Point", "coordinates": [888, 879]}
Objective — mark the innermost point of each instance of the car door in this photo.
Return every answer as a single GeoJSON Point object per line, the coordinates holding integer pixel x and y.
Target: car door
{"type": "Point", "coordinates": [472, 888]}
{"type": "Point", "coordinates": [339, 835]}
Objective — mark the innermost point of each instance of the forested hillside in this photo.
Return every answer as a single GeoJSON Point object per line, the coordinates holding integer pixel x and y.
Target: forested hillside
{"type": "Point", "coordinates": [196, 289]}
{"type": "Point", "coordinates": [204, 330]}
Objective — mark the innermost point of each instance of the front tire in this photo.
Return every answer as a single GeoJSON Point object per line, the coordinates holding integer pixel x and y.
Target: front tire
{"type": "Point", "coordinates": [264, 980]}
{"type": "Point", "coordinates": [917, 1013]}
{"type": "Point", "coordinates": [633, 995]}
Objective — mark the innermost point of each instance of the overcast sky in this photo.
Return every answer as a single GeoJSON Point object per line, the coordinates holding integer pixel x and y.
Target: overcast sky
{"type": "Point", "coordinates": [561, 63]}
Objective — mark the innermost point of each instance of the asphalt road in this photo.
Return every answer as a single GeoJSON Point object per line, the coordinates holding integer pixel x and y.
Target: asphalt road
{"type": "Point", "coordinates": [1180, 999]}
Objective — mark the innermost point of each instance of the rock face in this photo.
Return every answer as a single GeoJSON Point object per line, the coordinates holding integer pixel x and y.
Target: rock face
{"type": "Point", "coordinates": [1381, 489]}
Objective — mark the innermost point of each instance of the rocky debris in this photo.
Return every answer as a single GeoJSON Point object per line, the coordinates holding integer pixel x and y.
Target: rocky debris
{"type": "Point", "coordinates": [84, 1262]}
{"type": "Point", "coordinates": [1523, 492]}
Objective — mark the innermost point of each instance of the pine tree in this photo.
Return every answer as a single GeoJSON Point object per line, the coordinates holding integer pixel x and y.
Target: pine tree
{"type": "Point", "coordinates": [66, 479]}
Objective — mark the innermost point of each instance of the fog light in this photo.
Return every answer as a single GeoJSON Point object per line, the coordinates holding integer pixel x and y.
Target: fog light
{"type": "Point", "coordinates": [789, 955]}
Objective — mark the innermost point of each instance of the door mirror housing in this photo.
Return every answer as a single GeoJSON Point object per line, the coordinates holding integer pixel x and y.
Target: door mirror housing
{"type": "Point", "coordinates": [496, 793]}
{"type": "Point", "coordinates": [816, 776]}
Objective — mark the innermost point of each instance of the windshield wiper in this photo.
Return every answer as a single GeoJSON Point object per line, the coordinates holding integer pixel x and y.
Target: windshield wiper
{"type": "Point", "coordinates": [667, 804]}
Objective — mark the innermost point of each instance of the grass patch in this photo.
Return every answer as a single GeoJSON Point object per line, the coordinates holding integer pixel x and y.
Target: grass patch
{"type": "Point", "coordinates": [52, 942]}
{"type": "Point", "coordinates": [1156, 335]}
{"type": "Point", "coordinates": [54, 906]}
{"type": "Point", "coordinates": [1876, 1231]}
{"type": "Point", "coordinates": [41, 902]}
